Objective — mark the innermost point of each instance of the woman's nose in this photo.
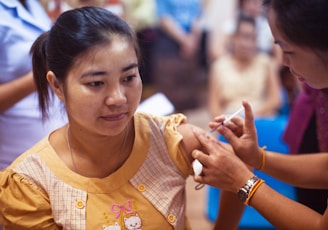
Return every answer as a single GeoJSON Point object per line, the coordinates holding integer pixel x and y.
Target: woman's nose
{"type": "Point", "coordinates": [285, 60]}
{"type": "Point", "coordinates": [115, 96]}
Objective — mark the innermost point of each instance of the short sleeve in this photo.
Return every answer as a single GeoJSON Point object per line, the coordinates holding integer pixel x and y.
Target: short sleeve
{"type": "Point", "coordinates": [173, 140]}
{"type": "Point", "coordinates": [23, 205]}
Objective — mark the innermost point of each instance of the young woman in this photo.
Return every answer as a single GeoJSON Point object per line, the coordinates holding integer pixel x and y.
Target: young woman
{"type": "Point", "coordinates": [300, 28]}
{"type": "Point", "coordinates": [109, 167]}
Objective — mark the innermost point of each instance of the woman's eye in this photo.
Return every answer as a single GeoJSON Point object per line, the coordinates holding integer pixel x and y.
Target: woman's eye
{"type": "Point", "coordinates": [95, 83]}
{"type": "Point", "coordinates": [287, 52]}
{"type": "Point", "coordinates": [128, 78]}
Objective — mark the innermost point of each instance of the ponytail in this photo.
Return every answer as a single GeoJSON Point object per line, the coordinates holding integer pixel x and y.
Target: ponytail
{"type": "Point", "coordinates": [40, 69]}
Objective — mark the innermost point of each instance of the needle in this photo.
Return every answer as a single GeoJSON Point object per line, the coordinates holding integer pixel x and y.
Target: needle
{"type": "Point", "coordinates": [225, 121]}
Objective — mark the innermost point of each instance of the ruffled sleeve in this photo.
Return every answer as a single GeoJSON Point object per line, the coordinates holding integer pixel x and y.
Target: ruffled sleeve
{"type": "Point", "coordinates": [23, 205]}
{"type": "Point", "coordinates": [174, 140]}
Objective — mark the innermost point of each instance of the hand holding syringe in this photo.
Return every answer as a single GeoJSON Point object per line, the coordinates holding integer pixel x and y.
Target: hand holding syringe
{"type": "Point", "coordinates": [197, 166]}
{"type": "Point", "coordinates": [225, 121]}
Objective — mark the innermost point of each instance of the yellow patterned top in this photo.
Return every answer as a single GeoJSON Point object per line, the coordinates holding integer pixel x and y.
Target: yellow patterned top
{"type": "Point", "coordinates": [38, 191]}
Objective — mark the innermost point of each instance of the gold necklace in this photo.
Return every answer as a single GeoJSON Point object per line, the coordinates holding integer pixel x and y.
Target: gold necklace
{"type": "Point", "coordinates": [117, 159]}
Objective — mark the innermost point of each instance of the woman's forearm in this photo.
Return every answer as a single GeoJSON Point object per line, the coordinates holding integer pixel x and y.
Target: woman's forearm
{"type": "Point", "coordinates": [284, 213]}
{"type": "Point", "coordinates": [230, 211]}
{"type": "Point", "coordinates": [168, 25]}
{"type": "Point", "coordinates": [305, 170]}
{"type": "Point", "coordinates": [14, 91]}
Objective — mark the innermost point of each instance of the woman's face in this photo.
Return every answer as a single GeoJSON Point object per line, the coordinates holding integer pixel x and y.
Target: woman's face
{"type": "Point", "coordinates": [252, 8]}
{"type": "Point", "coordinates": [103, 88]}
{"type": "Point", "coordinates": [304, 63]}
{"type": "Point", "coordinates": [244, 41]}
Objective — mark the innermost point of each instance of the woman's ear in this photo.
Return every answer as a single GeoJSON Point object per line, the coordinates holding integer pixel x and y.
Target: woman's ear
{"type": "Point", "coordinates": [56, 85]}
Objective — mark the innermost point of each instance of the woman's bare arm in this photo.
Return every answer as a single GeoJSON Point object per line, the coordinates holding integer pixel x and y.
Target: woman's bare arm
{"type": "Point", "coordinates": [14, 91]}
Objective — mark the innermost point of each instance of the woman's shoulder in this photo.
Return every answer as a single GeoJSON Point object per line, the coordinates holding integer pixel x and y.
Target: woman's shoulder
{"type": "Point", "coordinates": [34, 164]}
{"type": "Point", "coordinates": [224, 59]}
{"type": "Point", "coordinates": [222, 65]}
{"type": "Point", "coordinates": [33, 152]}
{"type": "Point", "coordinates": [263, 58]}
{"type": "Point", "coordinates": [168, 127]}
{"type": "Point", "coordinates": [171, 119]}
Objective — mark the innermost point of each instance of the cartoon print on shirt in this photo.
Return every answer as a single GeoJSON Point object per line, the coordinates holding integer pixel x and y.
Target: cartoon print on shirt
{"type": "Point", "coordinates": [116, 226]}
{"type": "Point", "coordinates": [125, 215]}
{"type": "Point", "coordinates": [133, 222]}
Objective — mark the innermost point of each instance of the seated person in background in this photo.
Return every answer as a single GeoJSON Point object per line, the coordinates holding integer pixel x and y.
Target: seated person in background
{"type": "Point", "coordinates": [244, 73]}
{"type": "Point", "coordinates": [255, 10]}
{"type": "Point", "coordinates": [177, 70]}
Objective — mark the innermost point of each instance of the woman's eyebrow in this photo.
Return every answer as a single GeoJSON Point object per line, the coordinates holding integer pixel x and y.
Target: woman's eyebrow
{"type": "Point", "coordinates": [131, 66]}
{"type": "Point", "coordinates": [92, 73]}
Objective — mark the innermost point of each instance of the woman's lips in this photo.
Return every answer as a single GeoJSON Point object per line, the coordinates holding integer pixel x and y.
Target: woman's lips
{"type": "Point", "coordinates": [114, 117]}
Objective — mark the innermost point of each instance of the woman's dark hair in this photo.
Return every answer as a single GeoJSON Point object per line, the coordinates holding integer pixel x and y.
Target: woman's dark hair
{"type": "Point", "coordinates": [302, 22]}
{"type": "Point", "coordinates": [73, 34]}
{"type": "Point", "coordinates": [240, 4]}
{"type": "Point", "coordinates": [244, 18]}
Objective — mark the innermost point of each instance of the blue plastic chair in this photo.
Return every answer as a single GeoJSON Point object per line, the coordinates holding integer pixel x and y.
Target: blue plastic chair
{"type": "Point", "coordinates": [270, 131]}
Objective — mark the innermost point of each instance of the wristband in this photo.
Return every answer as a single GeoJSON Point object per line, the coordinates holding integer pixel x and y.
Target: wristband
{"type": "Point", "coordinates": [246, 192]}
{"type": "Point", "coordinates": [263, 158]}
{"type": "Point", "coordinates": [253, 190]}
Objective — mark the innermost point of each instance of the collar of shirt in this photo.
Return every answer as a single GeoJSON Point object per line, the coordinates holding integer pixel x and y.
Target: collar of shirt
{"type": "Point", "coordinates": [35, 16]}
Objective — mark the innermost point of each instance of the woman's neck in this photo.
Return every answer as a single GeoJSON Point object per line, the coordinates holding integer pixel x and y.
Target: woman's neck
{"type": "Point", "coordinates": [94, 157]}
{"type": "Point", "coordinates": [242, 63]}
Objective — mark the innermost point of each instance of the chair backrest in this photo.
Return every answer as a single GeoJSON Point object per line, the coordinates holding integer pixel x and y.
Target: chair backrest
{"type": "Point", "coordinates": [270, 131]}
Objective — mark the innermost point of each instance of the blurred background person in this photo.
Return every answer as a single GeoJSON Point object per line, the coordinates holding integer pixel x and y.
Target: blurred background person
{"type": "Point", "coordinates": [179, 70]}
{"type": "Point", "coordinates": [253, 9]}
{"type": "Point", "coordinates": [20, 119]}
{"type": "Point", "coordinates": [115, 6]}
{"type": "Point", "coordinates": [55, 7]}
{"type": "Point", "coordinates": [244, 73]}
{"type": "Point", "coordinates": [217, 12]}
{"type": "Point", "coordinates": [140, 14]}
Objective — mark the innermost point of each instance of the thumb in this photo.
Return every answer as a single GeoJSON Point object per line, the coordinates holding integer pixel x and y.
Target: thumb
{"type": "Point", "coordinates": [201, 137]}
{"type": "Point", "coordinates": [206, 141]}
{"type": "Point", "coordinates": [229, 135]}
